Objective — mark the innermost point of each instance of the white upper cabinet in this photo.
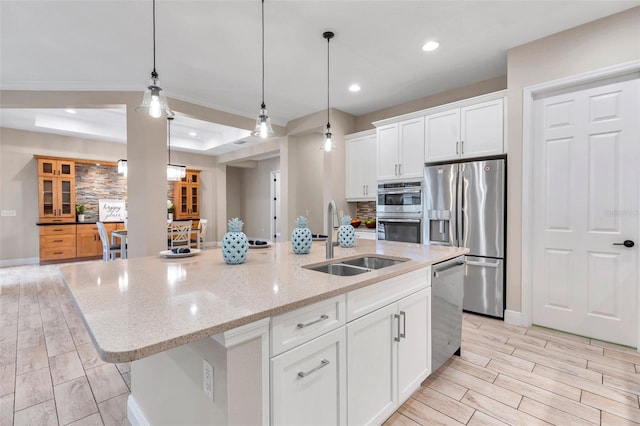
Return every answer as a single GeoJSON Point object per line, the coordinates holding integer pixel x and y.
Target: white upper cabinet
{"type": "Point", "coordinates": [361, 168]}
{"type": "Point", "coordinates": [401, 150]}
{"type": "Point", "coordinates": [471, 131]}
{"type": "Point", "coordinates": [442, 135]}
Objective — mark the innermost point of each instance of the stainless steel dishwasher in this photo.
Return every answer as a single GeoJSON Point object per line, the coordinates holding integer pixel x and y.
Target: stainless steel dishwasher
{"type": "Point", "coordinates": [447, 291]}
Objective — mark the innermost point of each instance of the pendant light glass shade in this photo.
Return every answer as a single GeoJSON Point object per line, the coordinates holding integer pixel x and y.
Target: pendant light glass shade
{"type": "Point", "coordinates": [329, 145]}
{"type": "Point", "coordinates": [263, 125]}
{"type": "Point", "coordinates": [174, 171]}
{"type": "Point", "coordinates": [154, 101]}
{"type": "Point", "coordinates": [122, 167]}
{"type": "Point", "coordinates": [263, 122]}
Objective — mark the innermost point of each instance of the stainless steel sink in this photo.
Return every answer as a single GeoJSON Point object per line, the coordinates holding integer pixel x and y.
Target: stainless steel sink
{"type": "Point", "coordinates": [354, 266]}
{"type": "Point", "coordinates": [372, 262]}
{"type": "Point", "coordinates": [338, 269]}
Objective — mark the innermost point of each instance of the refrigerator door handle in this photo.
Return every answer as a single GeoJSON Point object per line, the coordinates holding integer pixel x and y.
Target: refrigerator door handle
{"type": "Point", "coordinates": [483, 264]}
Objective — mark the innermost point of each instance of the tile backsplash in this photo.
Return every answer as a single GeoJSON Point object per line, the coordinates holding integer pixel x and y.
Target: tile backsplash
{"type": "Point", "coordinates": [366, 210]}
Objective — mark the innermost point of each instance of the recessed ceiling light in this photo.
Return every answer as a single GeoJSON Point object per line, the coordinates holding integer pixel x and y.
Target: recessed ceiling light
{"type": "Point", "coordinates": [71, 111]}
{"type": "Point", "coordinates": [430, 46]}
{"type": "Point", "coordinates": [193, 134]}
{"type": "Point", "coordinates": [355, 87]}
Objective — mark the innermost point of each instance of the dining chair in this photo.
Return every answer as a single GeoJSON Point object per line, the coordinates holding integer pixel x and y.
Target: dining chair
{"type": "Point", "coordinates": [109, 250]}
{"type": "Point", "coordinates": [180, 233]}
{"type": "Point", "coordinates": [202, 227]}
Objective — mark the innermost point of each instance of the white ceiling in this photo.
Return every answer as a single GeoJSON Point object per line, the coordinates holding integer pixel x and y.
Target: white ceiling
{"type": "Point", "coordinates": [208, 52]}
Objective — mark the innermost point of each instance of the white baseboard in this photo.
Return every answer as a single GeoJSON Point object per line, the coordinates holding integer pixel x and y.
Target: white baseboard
{"type": "Point", "coordinates": [134, 413]}
{"type": "Point", "coordinates": [18, 262]}
{"type": "Point", "coordinates": [513, 317]}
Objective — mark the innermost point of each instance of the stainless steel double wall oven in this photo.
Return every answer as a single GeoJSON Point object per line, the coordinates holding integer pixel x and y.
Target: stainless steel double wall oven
{"type": "Point", "coordinates": [399, 211]}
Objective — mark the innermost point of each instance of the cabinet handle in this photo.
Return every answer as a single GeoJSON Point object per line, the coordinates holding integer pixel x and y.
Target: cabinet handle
{"type": "Point", "coordinates": [403, 314]}
{"type": "Point", "coordinates": [58, 252]}
{"type": "Point", "coordinates": [322, 318]}
{"type": "Point", "coordinates": [457, 143]}
{"type": "Point", "coordinates": [462, 147]}
{"type": "Point", "coordinates": [57, 241]}
{"type": "Point", "coordinates": [397, 339]}
{"type": "Point", "coordinates": [395, 169]}
{"type": "Point", "coordinates": [323, 363]}
{"type": "Point", "coordinates": [57, 230]}
{"type": "Point", "coordinates": [400, 169]}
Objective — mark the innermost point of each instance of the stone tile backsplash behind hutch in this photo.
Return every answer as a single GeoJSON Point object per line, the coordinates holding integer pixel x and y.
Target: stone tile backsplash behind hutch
{"type": "Point", "coordinates": [94, 183]}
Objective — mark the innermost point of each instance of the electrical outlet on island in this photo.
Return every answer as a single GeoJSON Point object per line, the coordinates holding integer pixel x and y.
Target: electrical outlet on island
{"type": "Point", "coordinates": [207, 379]}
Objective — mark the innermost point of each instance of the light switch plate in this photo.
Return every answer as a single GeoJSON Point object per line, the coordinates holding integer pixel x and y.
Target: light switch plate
{"type": "Point", "coordinates": [7, 213]}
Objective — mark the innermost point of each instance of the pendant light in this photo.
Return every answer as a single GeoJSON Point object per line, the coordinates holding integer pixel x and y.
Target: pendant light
{"type": "Point", "coordinates": [263, 122]}
{"type": "Point", "coordinates": [328, 142]}
{"type": "Point", "coordinates": [122, 167]}
{"type": "Point", "coordinates": [154, 101]}
{"type": "Point", "coordinates": [174, 172]}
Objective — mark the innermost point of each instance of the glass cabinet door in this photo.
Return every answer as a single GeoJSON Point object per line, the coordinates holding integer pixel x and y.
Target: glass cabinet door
{"type": "Point", "coordinates": [46, 193]}
{"type": "Point", "coordinates": [195, 201]}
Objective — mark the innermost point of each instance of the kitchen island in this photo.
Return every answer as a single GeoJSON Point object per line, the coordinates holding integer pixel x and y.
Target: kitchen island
{"type": "Point", "coordinates": [167, 315]}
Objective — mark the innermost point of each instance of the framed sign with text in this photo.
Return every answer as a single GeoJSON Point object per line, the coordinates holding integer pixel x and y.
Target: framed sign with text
{"type": "Point", "coordinates": [112, 211]}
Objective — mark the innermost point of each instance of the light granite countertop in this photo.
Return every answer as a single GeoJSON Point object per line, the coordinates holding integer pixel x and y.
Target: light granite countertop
{"type": "Point", "coordinates": [138, 307]}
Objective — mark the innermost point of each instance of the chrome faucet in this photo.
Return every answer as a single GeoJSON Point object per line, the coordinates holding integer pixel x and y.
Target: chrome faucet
{"type": "Point", "coordinates": [330, 244]}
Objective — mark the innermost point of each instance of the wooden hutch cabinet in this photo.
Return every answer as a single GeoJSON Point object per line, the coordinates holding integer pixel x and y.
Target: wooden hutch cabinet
{"type": "Point", "coordinates": [56, 190]}
{"type": "Point", "coordinates": [186, 196]}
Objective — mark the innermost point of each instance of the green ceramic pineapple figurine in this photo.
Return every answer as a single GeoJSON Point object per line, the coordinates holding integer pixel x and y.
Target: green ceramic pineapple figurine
{"type": "Point", "coordinates": [301, 237]}
{"type": "Point", "coordinates": [346, 233]}
{"type": "Point", "coordinates": [234, 244]}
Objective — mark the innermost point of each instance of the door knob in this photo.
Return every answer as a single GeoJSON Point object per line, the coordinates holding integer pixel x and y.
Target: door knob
{"type": "Point", "coordinates": [626, 243]}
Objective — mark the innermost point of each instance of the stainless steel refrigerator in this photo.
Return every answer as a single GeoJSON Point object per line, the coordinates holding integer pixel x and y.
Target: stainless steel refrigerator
{"type": "Point", "coordinates": [465, 207]}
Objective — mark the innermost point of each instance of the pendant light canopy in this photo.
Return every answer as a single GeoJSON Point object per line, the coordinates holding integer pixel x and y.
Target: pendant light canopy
{"type": "Point", "coordinates": [263, 122]}
{"type": "Point", "coordinates": [328, 141]}
{"type": "Point", "coordinates": [154, 101]}
{"type": "Point", "coordinates": [174, 172]}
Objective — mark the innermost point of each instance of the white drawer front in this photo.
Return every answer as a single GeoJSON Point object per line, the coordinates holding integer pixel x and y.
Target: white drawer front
{"type": "Point", "coordinates": [297, 327]}
{"type": "Point", "coordinates": [368, 299]}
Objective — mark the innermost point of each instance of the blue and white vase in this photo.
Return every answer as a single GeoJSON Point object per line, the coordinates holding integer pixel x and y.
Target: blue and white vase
{"type": "Point", "coordinates": [301, 237]}
{"type": "Point", "coordinates": [346, 233]}
{"type": "Point", "coordinates": [234, 244]}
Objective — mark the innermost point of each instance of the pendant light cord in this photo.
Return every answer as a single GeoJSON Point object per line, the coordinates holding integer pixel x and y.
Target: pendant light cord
{"type": "Point", "coordinates": [263, 105]}
{"type": "Point", "coordinates": [328, 75]}
{"type": "Point", "coordinates": [154, 73]}
{"type": "Point", "coordinates": [169, 120]}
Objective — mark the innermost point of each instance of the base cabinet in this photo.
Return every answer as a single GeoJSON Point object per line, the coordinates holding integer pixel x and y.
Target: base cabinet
{"type": "Point", "coordinates": [308, 383]}
{"type": "Point", "coordinates": [371, 357]}
{"type": "Point", "coordinates": [389, 355]}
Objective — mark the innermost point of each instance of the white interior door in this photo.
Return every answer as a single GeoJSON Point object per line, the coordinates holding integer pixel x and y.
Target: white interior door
{"type": "Point", "coordinates": [585, 201]}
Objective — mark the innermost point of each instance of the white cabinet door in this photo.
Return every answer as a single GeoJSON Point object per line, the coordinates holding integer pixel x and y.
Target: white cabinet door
{"type": "Point", "coordinates": [361, 168]}
{"type": "Point", "coordinates": [411, 148]}
{"type": "Point", "coordinates": [308, 383]}
{"type": "Point", "coordinates": [369, 165]}
{"type": "Point", "coordinates": [354, 173]}
{"type": "Point", "coordinates": [371, 357]}
{"type": "Point", "coordinates": [387, 144]}
{"type": "Point", "coordinates": [414, 349]}
{"type": "Point", "coordinates": [442, 136]}
{"type": "Point", "coordinates": [482, 129]}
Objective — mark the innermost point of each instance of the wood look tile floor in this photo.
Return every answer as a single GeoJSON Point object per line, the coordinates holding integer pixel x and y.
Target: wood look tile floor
{"type": "Point", "coordinates": [50, 373]}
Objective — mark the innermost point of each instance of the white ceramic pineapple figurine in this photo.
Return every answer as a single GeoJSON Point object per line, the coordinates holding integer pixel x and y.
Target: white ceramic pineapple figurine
{"type": "Point", "coordinates": [346, 233]}
{"type": "Point", "coordinates": [301, 237]}
{"type": "Point", "coordinates": [234, 244]}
